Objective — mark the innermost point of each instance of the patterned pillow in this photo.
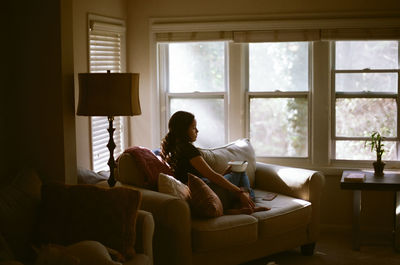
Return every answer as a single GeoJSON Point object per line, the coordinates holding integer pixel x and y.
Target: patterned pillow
{"type": "Point", "coordinates": [170, 185]}
{"type": "Point", "coordinates": [73, 213]}
{"type": "Point", "coordinates": [204, 202]}
{"type": "Point", "coordinates": [147, 163]}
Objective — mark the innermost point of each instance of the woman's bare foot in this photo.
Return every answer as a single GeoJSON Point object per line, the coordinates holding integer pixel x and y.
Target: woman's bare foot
{"type": "Point", "coordinates": [260, 209]}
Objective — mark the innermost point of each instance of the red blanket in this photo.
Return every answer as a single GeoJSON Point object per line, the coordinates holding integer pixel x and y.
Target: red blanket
{"type": "Point", "coordinates": [150, 164]}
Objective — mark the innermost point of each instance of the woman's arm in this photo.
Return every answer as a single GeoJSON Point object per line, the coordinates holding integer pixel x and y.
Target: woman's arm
{"type": "Point", "coordinates": [206, 171]}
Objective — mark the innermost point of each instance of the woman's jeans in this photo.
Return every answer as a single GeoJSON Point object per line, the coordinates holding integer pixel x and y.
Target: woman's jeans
{"type": "Point", "coordinates": [239, 179]}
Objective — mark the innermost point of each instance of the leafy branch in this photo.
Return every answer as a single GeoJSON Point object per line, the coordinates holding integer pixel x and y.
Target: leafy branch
{"type": "Point", "coordinates": [376, 144]}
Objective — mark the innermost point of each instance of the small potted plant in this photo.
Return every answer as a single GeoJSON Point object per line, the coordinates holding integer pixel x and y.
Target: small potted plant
{"type": "Point", "coordinates": [376, 143]}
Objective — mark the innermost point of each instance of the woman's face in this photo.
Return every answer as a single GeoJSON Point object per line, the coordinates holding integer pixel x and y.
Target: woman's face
{"type": "Point", "coordinates": [192, 131]}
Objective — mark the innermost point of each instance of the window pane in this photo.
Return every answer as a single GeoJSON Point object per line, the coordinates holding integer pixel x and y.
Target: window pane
{"type": "Point", "coordinates": [278, 66]}
{"type": "Point", "coordinates": [360, 116]}
{"type": "Point", "coordinates": [278, 126]}
{"type": "Point", "coordinates": [352, 55]}
{"type": "Point", "coordinates": [197, 67]}
{"type": "Point", "coordinates": [364, 82]}
{"type": "Point", "coordinates": [359, 151]}
{"type": "Point", "coordinates": [210, 118]}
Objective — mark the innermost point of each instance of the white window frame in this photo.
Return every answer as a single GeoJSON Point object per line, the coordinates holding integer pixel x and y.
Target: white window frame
{"type": "Point", "coordinates": [98, 132]}
{"type": "Point", "coordinates": [336, 95]}
{"type": "Point", "coordinates": [166, 96]}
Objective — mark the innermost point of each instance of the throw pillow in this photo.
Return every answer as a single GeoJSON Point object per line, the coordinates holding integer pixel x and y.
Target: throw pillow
{"type": "Point", "coordinates": [19, 204]}
{"type": "Point", "coordinates": [150, 164]}
{"type": "Point", "coordinates": [82, 253]}
{"type": "Point", "coordinates": [170, 185]}
{"type": "Point", "coordinates": [73, 213]}
{"type": "Point", "coordinates": [5, 252]}
{"type": "Point", "coordinates": [204, 202]}
{"type": "Point", "coordinates": [239, 150]}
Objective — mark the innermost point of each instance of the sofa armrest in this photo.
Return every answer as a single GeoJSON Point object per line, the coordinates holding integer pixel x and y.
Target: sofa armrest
{"type": "Point", "coordinates": [296, 182]}
{"type": "Point", "coordinates": [144, 233]}
{"type": "Point", "coordinates": [172, 232]}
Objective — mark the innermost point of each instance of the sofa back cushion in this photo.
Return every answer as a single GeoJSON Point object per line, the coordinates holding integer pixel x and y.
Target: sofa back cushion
{"type": "Point", "coordinates": [238, 150]}
{"type": "Point", "coordinates": [73, 213]}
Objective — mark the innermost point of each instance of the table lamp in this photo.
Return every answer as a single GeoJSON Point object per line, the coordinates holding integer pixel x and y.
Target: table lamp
{"type": "Point", "coordinates": [109, 94]}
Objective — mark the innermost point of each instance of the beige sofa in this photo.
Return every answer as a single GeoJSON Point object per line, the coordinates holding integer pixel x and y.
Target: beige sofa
{"type": "Point", "coordinates": [20, 202]}
{"type": "Point", "coordinates": [181, 239]}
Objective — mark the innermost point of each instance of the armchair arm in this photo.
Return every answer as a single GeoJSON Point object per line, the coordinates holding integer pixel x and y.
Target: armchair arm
{"type": "Point", "coordinates": [296, 182]}
{"type": "Point", "coordinates": [144, 233]}
{"type": "Point", "coordinates": [172, 232]}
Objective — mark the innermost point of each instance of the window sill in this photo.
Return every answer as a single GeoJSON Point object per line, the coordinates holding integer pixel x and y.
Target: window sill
{"type": "Point", "coordinates": [335, 168]}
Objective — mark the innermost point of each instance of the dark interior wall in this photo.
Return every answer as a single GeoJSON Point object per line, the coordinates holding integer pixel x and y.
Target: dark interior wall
{"type": "Point", "coordinates": [39, 96]}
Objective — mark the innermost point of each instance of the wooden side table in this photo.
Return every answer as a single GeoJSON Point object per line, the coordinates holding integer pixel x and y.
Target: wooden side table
{"type": "Point", "coordinates": [388, 182]}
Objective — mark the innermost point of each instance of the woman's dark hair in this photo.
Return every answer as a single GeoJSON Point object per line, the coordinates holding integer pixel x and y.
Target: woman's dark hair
{"type": "Point", "coordinates": [178, 127]}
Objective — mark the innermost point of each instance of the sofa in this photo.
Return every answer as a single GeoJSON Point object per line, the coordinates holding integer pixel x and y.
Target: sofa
{"type": "Point", "coordinates": [181, 238]}
{"type": "Point", "coordinates": [32, 212]}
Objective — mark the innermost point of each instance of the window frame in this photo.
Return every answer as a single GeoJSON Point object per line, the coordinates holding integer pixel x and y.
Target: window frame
{"type": "Point", "coordinates": [164, 29]}
{"type": "Point", "coordinates": [335, 95]}
{"type": "Point", "coordinates": [166, 96]}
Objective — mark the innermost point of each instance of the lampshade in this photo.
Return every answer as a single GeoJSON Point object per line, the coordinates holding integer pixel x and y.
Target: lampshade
{"type": "Point", "coordinates": [108, 94]}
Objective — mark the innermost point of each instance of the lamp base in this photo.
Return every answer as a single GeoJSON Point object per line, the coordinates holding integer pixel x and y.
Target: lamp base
{"type": "Point", "coordinates": [111, 146]}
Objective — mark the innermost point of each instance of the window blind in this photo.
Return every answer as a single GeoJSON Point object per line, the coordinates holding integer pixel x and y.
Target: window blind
{"type": "Point", "coordinates": [105, 53]}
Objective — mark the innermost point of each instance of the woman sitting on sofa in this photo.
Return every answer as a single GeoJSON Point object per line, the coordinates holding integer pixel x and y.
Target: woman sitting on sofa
{"type": "Point", "coordinates": [177, 149]}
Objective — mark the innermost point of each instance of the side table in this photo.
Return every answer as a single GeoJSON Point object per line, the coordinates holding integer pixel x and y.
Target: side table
{"type": "Point", "coordinates": [387, 182]}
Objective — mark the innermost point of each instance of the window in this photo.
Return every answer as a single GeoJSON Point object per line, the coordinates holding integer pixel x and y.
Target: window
{"type": "Point", "coordinates": [366, 82]}
{"type": "Point", "coordinates": [278, 88]}
{"type": "Point", "coordinates": [106, 52]}
{"type": "Point", "coordinates": [305, 96]}
{"type": "Point", "coordinates": [195, 81]}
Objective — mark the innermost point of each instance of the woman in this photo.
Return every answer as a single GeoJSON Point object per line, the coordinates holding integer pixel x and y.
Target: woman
{"type": "Point", "coordinates": [178, 151]}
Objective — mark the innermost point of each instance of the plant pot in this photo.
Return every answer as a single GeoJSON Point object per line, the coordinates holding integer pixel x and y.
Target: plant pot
{"type": "Point", "coordinates": [378, 167]}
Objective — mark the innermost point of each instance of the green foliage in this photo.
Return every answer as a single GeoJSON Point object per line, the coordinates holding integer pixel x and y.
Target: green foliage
{"type": "Point", "coordinates": [375, 142]}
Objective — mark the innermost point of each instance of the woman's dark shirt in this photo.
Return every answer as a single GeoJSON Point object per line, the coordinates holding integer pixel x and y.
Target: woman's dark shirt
{"type": "Point", "coordinates": [184, 153]}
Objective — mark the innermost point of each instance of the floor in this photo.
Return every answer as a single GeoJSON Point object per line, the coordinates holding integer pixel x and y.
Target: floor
{"type": "Point", "coordinates": [335, 248]}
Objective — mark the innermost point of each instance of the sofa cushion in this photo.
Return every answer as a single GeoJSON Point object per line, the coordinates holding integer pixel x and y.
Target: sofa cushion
{"type": "Point", "coordinates": [19, 204]}
{"type": "Point", "coordinates": [240, 150]}
{"type": "Point", "coordinates": [203, 202]}
{"type": "Point", "coordinates": [72, 213]}
{"type": "Point", "coordinates": [286, 214]}
{"type": "Point", "coordinates": [223, 232]}
{"type": "Point", "coordinates": [87, 176]}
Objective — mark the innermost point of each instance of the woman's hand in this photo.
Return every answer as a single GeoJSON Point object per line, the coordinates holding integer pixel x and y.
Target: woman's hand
{"type": "Point", "coordinates": [227, 170]}
{"type": "Point", "coordinates": [245, 200]}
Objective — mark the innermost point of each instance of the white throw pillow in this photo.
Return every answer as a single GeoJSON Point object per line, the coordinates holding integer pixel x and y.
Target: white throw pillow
{"type": "Point", "coordinates": [239, 150]}
{"type": "Point", "coordinates": [170, 185]}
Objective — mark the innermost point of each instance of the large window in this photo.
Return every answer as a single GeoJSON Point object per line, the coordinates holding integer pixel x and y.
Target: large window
{"type": "Point", "coordinates": [366, 82]}
{"type": "Point", "coordinates": [302, 101]}
{"type": "Point", "coordinates": [195, 81]}
{"type": "Point", "coordinates": [106, 52]}
{"type": "Point", "coordinates": [278, 98]}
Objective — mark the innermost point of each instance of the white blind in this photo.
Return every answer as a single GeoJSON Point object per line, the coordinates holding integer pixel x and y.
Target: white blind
{"type": "Point", "coordinates": [105, 53]}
